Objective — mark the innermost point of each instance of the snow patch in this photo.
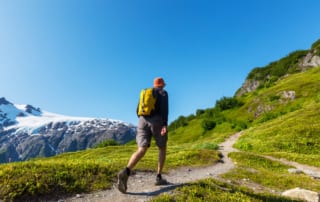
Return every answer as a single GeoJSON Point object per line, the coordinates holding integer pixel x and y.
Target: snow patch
{"type": "Point", "coordinates": [31, 124]}
{"type": "Point", "coordinates": [10, 111]}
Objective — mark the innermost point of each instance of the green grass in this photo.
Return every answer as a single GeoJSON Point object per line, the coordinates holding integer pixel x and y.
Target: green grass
{"type": "Point", "coordinates": [295, 135]}
{"type": "Point", "coordinates": [271, 174]}
{"type": "Point", "coordinates": [214, 190]}
{"type": "Point", "coordinates": [291, 129]}
{"type": "Point", "coordinates": [38, 179]}
{"type": "Point", "coordinates": [305, 85]}
{"type": "Point", "coordinates": [193, 133]}
{"type": "Point", "coordinates": [86, 171]}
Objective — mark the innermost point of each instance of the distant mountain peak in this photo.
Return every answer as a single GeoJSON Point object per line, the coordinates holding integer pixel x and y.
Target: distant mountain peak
{"type": "Point", "coordinates": [3, 101]}
{"type": "Point", "coordinates": [27, 132]}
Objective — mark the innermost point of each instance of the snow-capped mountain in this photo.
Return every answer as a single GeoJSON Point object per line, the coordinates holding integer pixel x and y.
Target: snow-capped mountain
{"type": "Point", "coordinates": [27, 132]}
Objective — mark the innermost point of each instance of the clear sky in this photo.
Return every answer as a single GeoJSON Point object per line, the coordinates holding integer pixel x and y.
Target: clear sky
{"type": "Point", "coordinates": [90, 58]}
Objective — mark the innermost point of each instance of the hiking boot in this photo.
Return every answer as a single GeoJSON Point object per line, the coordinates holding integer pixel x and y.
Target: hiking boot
{"type": "Point", "coordinates": [160, 180]}
{"type": "Point", "coordinates": [122, 181]}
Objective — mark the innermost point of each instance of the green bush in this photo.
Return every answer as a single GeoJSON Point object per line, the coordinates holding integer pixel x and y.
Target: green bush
{"type": "Point", "coordinates": [199, 112]}
{"type": "Point", "coordinates": [269, 116]}
{"type": "Point", "coordinates": [207, 145]}
{"type": "Point", "coordinates": [269, 74]}
{"type": "Point", "coordinates": [107, 143]}
{"type": "Point", "coordinates": [208, 124]}
{"type": "Point", "coordinates": [181, 121]}
{"type": "Point", "coordinates": [228, 103]}
{"type": "Point", "coordinates": [239, 125]}
{"type": "Point", "coordinates": [316, 46]}
{"type": "Point", "coordinates": [274, 98]}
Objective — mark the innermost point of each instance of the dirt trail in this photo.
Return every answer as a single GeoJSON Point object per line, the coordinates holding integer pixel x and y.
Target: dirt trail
{"type": "Point", "coordinates": [308, 170]}
{"type": "Point", "coordinates": [141, 185]}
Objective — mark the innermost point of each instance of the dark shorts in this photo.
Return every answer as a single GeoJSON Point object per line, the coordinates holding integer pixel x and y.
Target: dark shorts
{"type": "Point", "coordinates": [150, 127]}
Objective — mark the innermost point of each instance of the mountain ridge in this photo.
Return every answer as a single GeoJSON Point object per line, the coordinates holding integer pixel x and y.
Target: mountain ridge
{"type": "Point", "coordinates": [296, 61]}
{"type": "Point", "coordinates": [27, 132]}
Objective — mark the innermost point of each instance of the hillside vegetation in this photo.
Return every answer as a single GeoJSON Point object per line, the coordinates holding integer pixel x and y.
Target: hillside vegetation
{"type": "Point", "coordinates": [279, 118]}
{"type": "Point", "coordinates": [292, 128]}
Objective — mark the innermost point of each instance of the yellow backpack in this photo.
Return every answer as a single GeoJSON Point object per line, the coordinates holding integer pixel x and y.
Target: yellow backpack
{"type": "Point", "coordinates": [147, 102]}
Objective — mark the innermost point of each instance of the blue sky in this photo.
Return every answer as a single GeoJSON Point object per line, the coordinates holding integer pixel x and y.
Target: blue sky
{"type": "Point", "coordinates": [91, 58]}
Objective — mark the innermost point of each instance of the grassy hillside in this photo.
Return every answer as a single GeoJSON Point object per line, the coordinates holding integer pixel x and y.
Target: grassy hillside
{"type": "Point", "coordinates": [278, 124]}
{"type": "Point", "coordinates": [291, 129]}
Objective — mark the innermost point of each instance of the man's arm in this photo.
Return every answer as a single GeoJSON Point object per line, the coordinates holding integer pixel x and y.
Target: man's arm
{"type": "Point", "coordinates": [164, 108]}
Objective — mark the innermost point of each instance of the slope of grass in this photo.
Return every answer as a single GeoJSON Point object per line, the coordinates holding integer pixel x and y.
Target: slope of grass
{"type": "Point", "coordinates": [33, 180]}
{"type": "Point", "coordinates": [294, 135]}
{"type": "Point", "coordinates": [295, 139]}
{"type": "Point", "coordinates": [86, 171]}
{"type": "Point", "coordinates": [268, 103]}
{"type": "Point", "coordinates": [291, 128]}
{"type": "Point", "coordinates": [285, 127]}
{"type": "Point", "coordinates": [271, 174]}
{"type": "Point", "coordinates": [213, 190]}
{"type": "Point", "coordinates": [194, 133]}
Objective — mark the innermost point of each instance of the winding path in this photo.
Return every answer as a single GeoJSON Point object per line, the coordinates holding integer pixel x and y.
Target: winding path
{"type": "Point", "coordinates": [141, 185]}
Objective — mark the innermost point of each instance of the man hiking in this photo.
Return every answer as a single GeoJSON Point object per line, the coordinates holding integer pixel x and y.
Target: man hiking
{"type": "Point", "coordinates": [153, 121]}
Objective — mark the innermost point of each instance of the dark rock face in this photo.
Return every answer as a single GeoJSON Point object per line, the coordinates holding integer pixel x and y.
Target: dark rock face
{"type": "Point", "coordinates": [32, 110]}
{"type": "Point", "coordinates": [54, 138]}
{"type": "Point", "coordinates": [3, 101]}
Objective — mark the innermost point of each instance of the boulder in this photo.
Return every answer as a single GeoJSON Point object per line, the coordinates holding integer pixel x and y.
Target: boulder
{"type": "Point", "coordinates": [303, 194]}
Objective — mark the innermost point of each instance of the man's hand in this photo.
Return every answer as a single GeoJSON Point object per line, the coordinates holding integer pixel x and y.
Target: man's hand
{"type": "Point", "coordinates": [164, 130]}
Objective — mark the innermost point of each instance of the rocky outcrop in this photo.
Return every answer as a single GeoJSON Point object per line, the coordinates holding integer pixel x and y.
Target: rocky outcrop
{"type": "Point", "coordinates": [248, 86]}
{"type": "Point", "coordinates": [311, 59]}
{"type": "Point", "coordinates": [3, 101]}
{"type": "Point", "coordinates": [306, 195]}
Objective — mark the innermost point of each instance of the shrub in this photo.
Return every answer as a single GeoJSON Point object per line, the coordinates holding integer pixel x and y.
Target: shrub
{"type": "Point", "coordinates": [207, 145]}
{"type": "Point", "coordinates": [199, 112]}
{"type": "Point", "coordinates": [190, 117]}
{"type": "Point", "coordinates": [274, 98]}
{"type": "Point", "coordinates": [208, 124]}
{"type": "Point", "coordinates": [215, 115]}
{"type": "Point", "coordinates": [239, 125]}
{"type": "Point", "coordinates": [269, 116]}
{"type": "Point", "coordinates": [269, 74]}
{"type": "Point", "coordinates": [316, 46]}
{"type": "Point", "coordinates": [106, 143]}
{"type": "Point", "coordinates": [179, 122]}
{"type": "Point", "coordinates": [228, 103]}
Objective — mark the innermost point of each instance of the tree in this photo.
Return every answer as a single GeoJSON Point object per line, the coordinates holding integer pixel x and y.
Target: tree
{"type": "Point", "coordinates": [228, 103]}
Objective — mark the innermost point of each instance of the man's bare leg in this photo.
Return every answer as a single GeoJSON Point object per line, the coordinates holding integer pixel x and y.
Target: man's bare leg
{"type": "Point", "coordinates": [136, 156]}
{"type": "Point", "coordinates": [162, 158]}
